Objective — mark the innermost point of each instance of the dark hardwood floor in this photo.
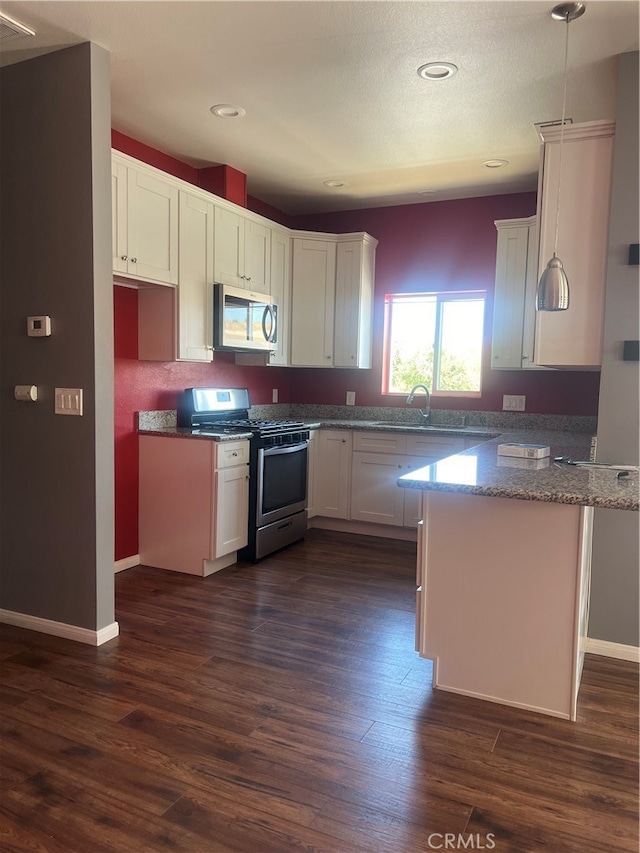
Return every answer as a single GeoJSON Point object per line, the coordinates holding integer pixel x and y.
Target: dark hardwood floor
{"type": "Point", "coordinates": [281, 707]}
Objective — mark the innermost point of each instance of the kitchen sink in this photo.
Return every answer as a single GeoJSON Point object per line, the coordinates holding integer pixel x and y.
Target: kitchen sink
{"type": "Point", "coordinates": [432, 427]}
{"type": "Point", "coordinates": [442, 429]}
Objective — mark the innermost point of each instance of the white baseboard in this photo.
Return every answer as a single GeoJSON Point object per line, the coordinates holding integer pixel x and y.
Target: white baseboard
{"type": "Point", "coordinates": [60, 629]}
{"type": "Point", "coordinates": [612, 650]}
{"type": "Point", "coordinates": [126, 563]}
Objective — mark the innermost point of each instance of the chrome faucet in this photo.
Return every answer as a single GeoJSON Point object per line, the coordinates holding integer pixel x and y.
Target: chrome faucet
{"type": "Point", "coordinates": [426, 412]}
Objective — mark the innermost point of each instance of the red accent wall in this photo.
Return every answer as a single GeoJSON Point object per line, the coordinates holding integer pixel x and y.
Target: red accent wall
{"type": "Point", "coordinates": [227, 182]}
{"type": "Point", "coordinates": [153, 157]}
{"type": "Point", "coordinates": [448, 245]}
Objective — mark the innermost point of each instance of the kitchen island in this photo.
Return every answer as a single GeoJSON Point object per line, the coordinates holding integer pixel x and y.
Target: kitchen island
{"type": "Point", "coordinates": [503, 569]}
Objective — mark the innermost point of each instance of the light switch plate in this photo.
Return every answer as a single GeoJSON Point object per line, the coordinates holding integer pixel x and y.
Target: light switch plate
{"type": "Point", "coordinates": [68, 401]}
{"type": "Point", "coordinates": [274, 395]}
{"type": "Point", "coordinates": [351, 398]}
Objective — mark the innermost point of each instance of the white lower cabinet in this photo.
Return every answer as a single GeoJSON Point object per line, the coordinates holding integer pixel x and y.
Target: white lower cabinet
{"type": "Point", "coordinates": [354, 474]}
{"type": "Point", "coordinates": [231, 510]}
{"type": "Point", "coordinates": [379, 459]}
{"type": "Point", "coordinates": [194, 499]}
{"type": "Point", "coordinates": [332, 476]}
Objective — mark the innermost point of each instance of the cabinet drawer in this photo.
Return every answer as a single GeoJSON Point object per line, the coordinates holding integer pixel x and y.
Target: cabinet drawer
{"type": "Point", "coordinates": [434, 445]}
{"type": "Point", "coordinates": [229, 453]}
{"type": "Point", "coordinates": [379, 442]}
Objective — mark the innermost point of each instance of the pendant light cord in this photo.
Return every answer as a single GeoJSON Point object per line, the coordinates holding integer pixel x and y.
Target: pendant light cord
{"type": "Point", "coordinates": [564, 110]}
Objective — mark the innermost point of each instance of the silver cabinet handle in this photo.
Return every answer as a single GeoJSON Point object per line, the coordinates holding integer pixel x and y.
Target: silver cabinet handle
{"type": "Point", "coordinates": [123, 257]}
{"type": "Point", "coordinates": [235, 453]}
{"type": "Point", "coordinates": [134, 260]}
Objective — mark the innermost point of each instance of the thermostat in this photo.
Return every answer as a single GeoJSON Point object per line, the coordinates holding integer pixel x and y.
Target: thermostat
{"type": "Point", "coordinates": [38, 327]}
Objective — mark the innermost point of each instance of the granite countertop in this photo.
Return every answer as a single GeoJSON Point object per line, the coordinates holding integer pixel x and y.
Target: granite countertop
{"type": "Point", "coordinates": [480, 471]}
{"type": "Point", "coordinates": [411, 429]}
{"type": "Point", "coordinates": [188, 432]}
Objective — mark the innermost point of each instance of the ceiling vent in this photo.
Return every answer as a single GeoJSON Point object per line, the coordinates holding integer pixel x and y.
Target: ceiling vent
{"type": "Point", "coordinates": [11, 30]}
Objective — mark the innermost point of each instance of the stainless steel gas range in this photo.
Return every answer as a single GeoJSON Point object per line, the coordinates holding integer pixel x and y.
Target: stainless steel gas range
{"type": "Point", "coordinates": [277, 464]}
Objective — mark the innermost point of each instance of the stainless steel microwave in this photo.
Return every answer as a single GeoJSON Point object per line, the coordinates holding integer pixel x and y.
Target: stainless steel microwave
{"type": "Point", "coordinates": [243, 321]}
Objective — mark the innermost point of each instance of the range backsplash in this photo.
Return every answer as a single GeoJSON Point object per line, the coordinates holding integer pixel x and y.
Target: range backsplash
{"type": "Point", "coordinates": [445, 417]}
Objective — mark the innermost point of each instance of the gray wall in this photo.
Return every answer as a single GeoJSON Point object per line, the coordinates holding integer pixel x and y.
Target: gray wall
{"type": "Point", "coordinates": [614, 597]}
{"type": "Point", "coordinates": [57, 472]}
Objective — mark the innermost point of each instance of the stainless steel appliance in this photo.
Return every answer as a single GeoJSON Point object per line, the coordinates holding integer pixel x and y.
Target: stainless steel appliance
{"type": "Point", "coordinates": [277, 464]}
{"type": "Point", "coordinates": [243, 321]}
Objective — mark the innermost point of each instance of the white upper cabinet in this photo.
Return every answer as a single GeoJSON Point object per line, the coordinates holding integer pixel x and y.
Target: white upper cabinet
{"type": "Point", "coordinates": [354, 303]}
{"type": "Point", "coordinates": [257, 257]}
{"type": "Point", "coordinates": [573, 338]}
{"type": "Point", "coordinates": [332, 300]}
{"type": "Point", "coordinates": [195, 311]}
{"type": "Point", "coordinates": [313, 301]}
{"type": "Point", "coordinates": [514, 314]}
{"type": "Point", "coordinates": [281, 293]}
{"type": "Point", "coordinates": [145, 224]}
{"type": "Point", "coordinates": [242, 251]}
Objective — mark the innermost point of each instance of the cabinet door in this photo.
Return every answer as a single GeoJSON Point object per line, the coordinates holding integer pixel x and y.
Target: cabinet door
{"type": "Point", "coordinates": [375, 494]}
{"type": "Point", "coordinates": [412, 497]}
{"type": "Point", "coordinates": [152, 228]}
{"type": "Point", "coordinates": [281, 293]}
{"type": "Point", "coordinates": [229, 247]}
{"type": "Point", "coordinates": [119, 216]}
{"type": "Point", "coordinates": [231, 510]}
{"type": "Point", "coordinates": [194, 327]}
{"type": "Point", "coordinates": [332, 474]}
{"type": "Point", "coordinates": [354, 305]}
{"type": "Point", "coordinates": [257, 257]}
{"type": "Point", "coordinates": [509, 296]}
{"type": "Point", "coordinates": [313, 301]}
{"type": "Point", "coordinates": [573, 338]}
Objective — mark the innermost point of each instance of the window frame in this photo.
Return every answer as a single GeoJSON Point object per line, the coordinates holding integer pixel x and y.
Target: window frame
{"type": "Point", "coordinates": [441, 298]}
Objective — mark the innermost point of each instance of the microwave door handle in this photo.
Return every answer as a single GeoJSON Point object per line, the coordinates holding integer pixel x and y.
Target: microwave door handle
{"type": "Point", "coordinates": [268, 336]}
{"type": "Point", "coordinates": [274, 324]}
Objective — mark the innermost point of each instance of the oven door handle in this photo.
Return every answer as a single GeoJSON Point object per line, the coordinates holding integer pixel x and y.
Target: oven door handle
{"type": "Point", "coordinates": [284, 448]}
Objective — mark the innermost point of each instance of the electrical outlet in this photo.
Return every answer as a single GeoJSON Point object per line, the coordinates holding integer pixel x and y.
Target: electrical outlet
{"type": "Point", "coordinates": [513, 402]}
{"type": "Point", "coordinates": [351, 398]}
{"type": "Point", "coordinates": [274, 395]}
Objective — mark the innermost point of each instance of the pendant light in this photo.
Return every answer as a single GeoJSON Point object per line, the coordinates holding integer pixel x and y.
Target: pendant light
{"type": "Point", "coordinates": [553, 287]}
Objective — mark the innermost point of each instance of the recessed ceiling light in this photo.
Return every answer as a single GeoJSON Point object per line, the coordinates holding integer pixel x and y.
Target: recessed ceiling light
{"type": "Point", "coordinates": [333, 184]}
{"type": "Point", "coordinates": [227, 111]}
{"type": "Point", "coordinates": [437, 70]}
{"type": "Point", "coordinates": [495, 164]}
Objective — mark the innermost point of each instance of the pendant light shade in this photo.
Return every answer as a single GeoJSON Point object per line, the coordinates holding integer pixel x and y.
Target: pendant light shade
{"type": "Point", "coordinates": [553, 287]}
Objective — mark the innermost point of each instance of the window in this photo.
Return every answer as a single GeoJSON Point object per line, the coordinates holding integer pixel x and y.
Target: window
{"type": "Point", "coordinates": [434, 338]}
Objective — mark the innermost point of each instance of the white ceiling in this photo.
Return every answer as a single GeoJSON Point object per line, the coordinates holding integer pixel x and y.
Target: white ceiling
{"type": "Point", "coordinates": [331, 89]}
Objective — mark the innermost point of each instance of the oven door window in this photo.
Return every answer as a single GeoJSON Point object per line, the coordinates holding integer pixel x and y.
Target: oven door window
{"type": "Point", "coordinates": [282, 481]}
